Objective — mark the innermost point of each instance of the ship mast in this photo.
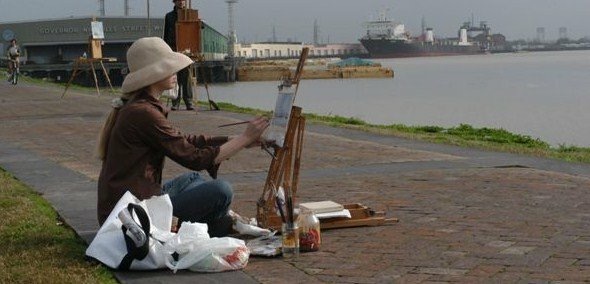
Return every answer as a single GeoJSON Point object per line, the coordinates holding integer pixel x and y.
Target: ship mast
{"type": "Point", "coordinates": [383, 27]}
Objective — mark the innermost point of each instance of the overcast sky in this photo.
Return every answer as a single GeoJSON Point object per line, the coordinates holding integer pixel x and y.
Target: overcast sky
{"type": "Point", "coordinates": [339, 20]}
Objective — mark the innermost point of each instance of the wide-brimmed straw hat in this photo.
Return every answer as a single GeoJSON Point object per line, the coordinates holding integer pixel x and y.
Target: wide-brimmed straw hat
{"type": "Point", "coordinates": [151, 60]}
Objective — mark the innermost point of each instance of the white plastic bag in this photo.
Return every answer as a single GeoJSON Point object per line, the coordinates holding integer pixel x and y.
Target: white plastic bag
{"type": "Point", "coordinates": [187, 238]}
{"type": "Point", "coordinates": [215, 255]}
{"type": "Point", "coordinates": [197, 252]}
{"type": "Point", "coordinates": [109, 245]}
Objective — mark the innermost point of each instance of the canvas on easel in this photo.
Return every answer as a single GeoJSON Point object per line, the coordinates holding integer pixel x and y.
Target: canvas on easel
{"type": "Point", "coordinates": [188, 37]}
{"type": "Point", "coordinates": [97, 30]}
{"type": "Point", "coordinates": [95, 40]}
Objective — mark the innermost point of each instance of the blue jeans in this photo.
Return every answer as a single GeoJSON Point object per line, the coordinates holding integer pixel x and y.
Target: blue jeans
{"type": "Point", "coordinates": [195, 199]}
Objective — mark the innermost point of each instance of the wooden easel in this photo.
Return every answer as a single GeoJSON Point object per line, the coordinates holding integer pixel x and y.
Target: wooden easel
{"type": "Point", "coordinates": [89, 62]}
{"type": "Point", "coordinates": [95, 50]}
{"type": "Point", "coordinates": [188, 41]}
{"type": "Point", "coordinates": [284, 168]}
{"type": "Point", "coordinates": [284, 172]}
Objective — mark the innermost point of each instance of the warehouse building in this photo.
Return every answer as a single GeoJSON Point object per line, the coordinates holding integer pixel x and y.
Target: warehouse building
{"type": "Point", "coordinates": [293, 50]}
{"type": "Point", "coordinates": [63, 40]}
{"type": "Point", "coordinates": [49, 47]}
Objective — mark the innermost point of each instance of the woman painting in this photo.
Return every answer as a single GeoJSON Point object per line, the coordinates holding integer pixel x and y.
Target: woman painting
{"type": "Point", "coordinates": [137, 136]}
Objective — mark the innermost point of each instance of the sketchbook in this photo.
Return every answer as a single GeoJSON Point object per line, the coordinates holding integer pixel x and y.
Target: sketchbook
{"type": "Point", "coordinates": [322, 206]}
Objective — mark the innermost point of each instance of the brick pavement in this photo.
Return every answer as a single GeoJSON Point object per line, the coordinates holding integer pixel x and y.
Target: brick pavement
{"type": "Point", "coordinates": [465, 215]}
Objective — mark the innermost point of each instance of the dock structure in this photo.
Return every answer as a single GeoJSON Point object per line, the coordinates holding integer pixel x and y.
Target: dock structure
{"type": "Point", "coordinates": [215, 71]}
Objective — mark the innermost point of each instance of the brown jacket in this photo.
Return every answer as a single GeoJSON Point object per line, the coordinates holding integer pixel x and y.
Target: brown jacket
{"type": "Point", "coordinates": [140, 139]}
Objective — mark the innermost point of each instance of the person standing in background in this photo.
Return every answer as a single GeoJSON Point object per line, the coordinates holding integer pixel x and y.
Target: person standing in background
{"type": "Point", "coordinates": [13, 54]}
{"type": "Point", "coordinates": [185, 91]}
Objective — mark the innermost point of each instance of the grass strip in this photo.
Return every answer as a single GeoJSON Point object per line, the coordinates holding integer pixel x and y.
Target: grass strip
{"type": "Point", "coordinates": [36, 246]}
{"type": "Point", "coordinates": [463, 135]}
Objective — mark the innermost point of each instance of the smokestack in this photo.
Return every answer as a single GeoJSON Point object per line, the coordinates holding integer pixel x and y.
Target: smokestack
{"type": "Point", "coordinates": [101, 8]}
{"type": "Point", "coordinates": [316, 32]}
{"type": "Point", "coordinates": [126, 8]}
{"type": "Point", "coordinates": [231, 28]}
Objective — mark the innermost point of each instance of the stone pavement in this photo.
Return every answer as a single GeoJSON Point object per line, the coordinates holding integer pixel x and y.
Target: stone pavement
{"type": "Point", "coordinates": [465, 215]}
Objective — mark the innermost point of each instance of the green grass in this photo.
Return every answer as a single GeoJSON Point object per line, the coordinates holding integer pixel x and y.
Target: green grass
{"type": "Point", "coordinates": [36, 246]}
{"type": "Point", "coordinates": [461, 135]}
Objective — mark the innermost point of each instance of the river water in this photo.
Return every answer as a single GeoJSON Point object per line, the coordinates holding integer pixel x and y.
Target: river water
{"type": "Point", "coordinates": [542, 94]}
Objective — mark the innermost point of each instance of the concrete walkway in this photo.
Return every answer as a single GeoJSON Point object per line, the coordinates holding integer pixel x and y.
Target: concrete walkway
{"type": "Point", "coordinates": [465, 215]}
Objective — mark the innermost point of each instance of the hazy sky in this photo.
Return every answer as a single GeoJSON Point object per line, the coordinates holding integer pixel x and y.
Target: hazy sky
{"type": "Point", "coordinates": [339, 20]}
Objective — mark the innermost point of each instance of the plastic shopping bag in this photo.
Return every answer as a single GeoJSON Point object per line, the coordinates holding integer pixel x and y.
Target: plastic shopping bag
{"type": "Point", "coordinates": [197, 252]}
{"type": "Point", "coordinates": [115, 247]}
{"type": "Point", "coordinates": [216, 255]}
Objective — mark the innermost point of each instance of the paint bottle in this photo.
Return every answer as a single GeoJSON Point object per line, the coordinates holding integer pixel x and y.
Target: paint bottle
{"type": "Point", "coordinates": [309, 231]}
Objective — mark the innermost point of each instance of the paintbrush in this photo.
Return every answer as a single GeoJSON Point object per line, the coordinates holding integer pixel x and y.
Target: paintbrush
{"type": "Point", "coordinates": [290, 212]}
{"type": "Point", "coordinates": [235, 123]}
{"type": "Point", "coordinates": [280, 206]}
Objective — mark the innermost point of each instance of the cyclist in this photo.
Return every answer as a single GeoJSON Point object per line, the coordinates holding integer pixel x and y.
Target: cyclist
{"type": "Point", "coordinates": [13, 54]}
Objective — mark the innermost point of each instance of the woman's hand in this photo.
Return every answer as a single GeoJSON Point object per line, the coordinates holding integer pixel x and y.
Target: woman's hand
{"type": "Point", "coordinates": [255, 129]}
{"type": "Point", "coordinates": [250, 137]}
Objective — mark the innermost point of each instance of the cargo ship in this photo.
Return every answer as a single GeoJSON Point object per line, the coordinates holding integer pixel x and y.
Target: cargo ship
{"type": "Point", "coordinates": [389, 39]}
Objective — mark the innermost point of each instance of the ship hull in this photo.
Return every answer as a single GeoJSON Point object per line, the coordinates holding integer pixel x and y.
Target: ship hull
{"type": "Point", "coordinates": [385, 48]}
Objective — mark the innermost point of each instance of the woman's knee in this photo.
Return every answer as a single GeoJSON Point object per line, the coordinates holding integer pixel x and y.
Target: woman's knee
{"type": "Point", "coordinates": [181, 183]}
{"type": "Point", "coordinates": [224, 189]}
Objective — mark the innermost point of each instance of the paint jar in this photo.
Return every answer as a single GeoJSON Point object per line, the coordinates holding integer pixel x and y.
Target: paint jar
{"type": "Point", "coordinates": [309, 231]}
{"type": "Point", "coordinates": [290, 236]}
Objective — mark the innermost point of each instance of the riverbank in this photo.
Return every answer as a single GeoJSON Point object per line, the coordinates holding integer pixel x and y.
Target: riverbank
{"type": "Point", "coordinates": [462, 135]}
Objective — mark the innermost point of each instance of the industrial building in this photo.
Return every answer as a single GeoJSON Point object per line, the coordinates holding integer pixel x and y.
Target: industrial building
{"type": "Point", "coordinates": [49, 47]}
{"type": "Point", "coordinates": [63, 40]}
{"type": "Point", "coordinates": [293, 50]}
